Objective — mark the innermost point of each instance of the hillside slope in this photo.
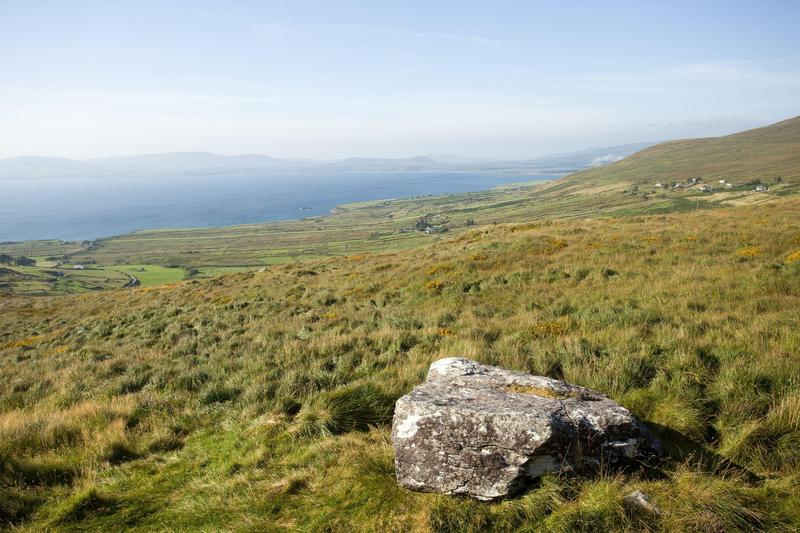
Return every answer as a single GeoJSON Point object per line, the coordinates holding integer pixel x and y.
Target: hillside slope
{"type": "Point", "coordinates": [624, 188]}
{"type": "Point", "coordinates": [762, 153]}
{"type": "Point", "coordinates": [261, 401]}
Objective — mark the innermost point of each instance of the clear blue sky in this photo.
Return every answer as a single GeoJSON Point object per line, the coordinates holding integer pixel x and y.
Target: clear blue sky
{"type": "Point", "coordinates": [388, 78]}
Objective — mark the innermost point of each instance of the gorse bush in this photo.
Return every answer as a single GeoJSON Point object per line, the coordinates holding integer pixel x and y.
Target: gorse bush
{"type": "Point", "coordinates": [263, 400]}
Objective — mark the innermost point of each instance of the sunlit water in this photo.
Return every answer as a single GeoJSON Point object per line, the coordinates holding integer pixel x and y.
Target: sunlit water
{"type": "Point", "coordinates": [76, 209]}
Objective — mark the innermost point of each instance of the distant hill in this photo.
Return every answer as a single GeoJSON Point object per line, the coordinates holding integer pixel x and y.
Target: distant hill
{"type": "Point", "coordinates": [178, 163]}
{"type": "Point", "coordinates": [763, 153]}
{"type": "Point", "coordinates": [168, 164]}
{"type": "Point", "coordinates": [593, 157]}
{"type": "Point", "coordinates": [33, 167]}
{"type": "Point", "coordinates": [198, 163]}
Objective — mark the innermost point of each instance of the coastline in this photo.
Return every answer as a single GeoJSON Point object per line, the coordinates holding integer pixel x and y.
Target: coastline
{"type": "Point", "coordinates": [286, 210]}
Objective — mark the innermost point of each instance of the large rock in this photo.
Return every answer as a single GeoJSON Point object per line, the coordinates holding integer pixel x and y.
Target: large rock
{"type": "Point", "coordinates": [486, 432]}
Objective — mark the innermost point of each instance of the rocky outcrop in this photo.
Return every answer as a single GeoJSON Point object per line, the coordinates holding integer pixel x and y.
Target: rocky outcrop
{"type": "Point", "coordinates": [486, 432]}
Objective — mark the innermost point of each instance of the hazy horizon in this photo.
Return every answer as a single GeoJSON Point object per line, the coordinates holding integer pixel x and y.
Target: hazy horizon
{"type": "Point", "coordinates": [440, 157]}
{"type": "Point", "coordinates": [318, 80]}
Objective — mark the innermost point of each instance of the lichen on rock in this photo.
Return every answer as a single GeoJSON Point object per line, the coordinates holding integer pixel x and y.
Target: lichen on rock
{"type": "Point", "coordinates": [487, 432]}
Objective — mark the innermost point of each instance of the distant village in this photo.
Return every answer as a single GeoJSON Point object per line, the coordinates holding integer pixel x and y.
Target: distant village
{"type": "Point", "coordinates": [696, 183]}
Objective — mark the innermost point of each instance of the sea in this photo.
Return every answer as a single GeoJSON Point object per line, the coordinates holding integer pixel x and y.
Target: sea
{"type": "Point", "coordinates": [87, 209]}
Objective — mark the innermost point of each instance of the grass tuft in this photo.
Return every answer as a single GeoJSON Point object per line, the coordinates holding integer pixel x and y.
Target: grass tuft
{"type": "Point", "coordinates": [354, 408]}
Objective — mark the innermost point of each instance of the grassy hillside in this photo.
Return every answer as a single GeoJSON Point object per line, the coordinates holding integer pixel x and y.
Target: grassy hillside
{"type": "Point", "coordinates": [367, 227]}
{"type": "Point", "coordinates": [763, 153]}
{"type": "Point", "coordinates": [45, 280]}
{"type": "Point", "coordinates": [372, 227]}
{"type": "Point", "coordinates": [262, 400]}
{"type": "Point", "coordinates": [624, 188]}
{"type": "Point", "coordinates": [355, 228]}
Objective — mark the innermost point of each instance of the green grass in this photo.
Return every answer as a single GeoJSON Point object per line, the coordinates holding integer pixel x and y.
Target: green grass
{"type": "Point", "coordinates": [621, 189]}
{"type": "Point", "coordinates": [43, 261]}
{"type": "Point", "coordinates": [367, 227]}
{"type": "Point", "coordinates": [255, 401]}
{"type": "Point", "coordinates": [42, 280]}
{"type": "Point", "coordinates": [67, 280]}
{"type": "Point", "coordinates": [624, 188]}
{"type": "Point", "coordinates": [208, 272]}
{"type": "Point", "coordinates": [149, 275]}
{"type": "Point", "coordinates": [41, 248]}
{"type": "Point", "coordinates": [762, 153]}
{"type": "Point", "coordinates": [262, 400]}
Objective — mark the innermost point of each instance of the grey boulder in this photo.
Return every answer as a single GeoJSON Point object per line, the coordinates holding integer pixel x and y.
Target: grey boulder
{"type": "Point", "coordinates": [486, 432]}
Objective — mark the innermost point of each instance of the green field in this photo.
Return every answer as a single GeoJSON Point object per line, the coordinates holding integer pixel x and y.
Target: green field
{"type": "Point", "coordinates": [210, 272]}
{"type": "Point", "coordinates": [149, 275]}
{"type": "Point", "coordinates": [47, 280]}
{"type": "Point", "coordinates": [42, 248]}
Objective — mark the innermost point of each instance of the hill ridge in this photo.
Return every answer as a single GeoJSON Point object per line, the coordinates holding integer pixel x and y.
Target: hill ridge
{"type": "Point", "coordinates": [766, 152]}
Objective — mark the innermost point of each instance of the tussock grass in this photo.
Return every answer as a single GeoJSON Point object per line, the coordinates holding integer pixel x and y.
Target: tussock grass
{"type": "Point", "coordinates": [355, 408]}
{"type": "Point", "coordinates": [263, 400]}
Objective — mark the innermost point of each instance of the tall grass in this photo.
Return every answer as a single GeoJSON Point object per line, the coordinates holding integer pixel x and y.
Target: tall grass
{"type": "Point", "coordinates": [262, 401]}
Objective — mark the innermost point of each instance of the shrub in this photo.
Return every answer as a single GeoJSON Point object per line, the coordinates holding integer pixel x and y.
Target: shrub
{"type": "Point", "coordinates": [549, 328]}
{"type": "Point", "coordinates": [749, 252]}
{"type": "Point", "coordinates": [434, 286]}
{"type": "Point", "coordinates": [435, 269]}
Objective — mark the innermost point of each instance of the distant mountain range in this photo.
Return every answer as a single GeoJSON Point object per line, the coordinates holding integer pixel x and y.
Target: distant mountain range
{"type": "Point", "coordinates": [198, 163]}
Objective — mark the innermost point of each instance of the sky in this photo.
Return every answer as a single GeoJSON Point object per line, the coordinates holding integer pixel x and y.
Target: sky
{"type": "Point", "coordinates": [330, 79]}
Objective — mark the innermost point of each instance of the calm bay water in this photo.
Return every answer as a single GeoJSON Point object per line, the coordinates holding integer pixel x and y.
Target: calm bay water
{"type": "Point", "coordinates": [76, 209]}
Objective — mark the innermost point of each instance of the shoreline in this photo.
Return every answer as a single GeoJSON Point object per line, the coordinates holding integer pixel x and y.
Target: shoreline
{"type": "Point", "coordinates": [537, 178]}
